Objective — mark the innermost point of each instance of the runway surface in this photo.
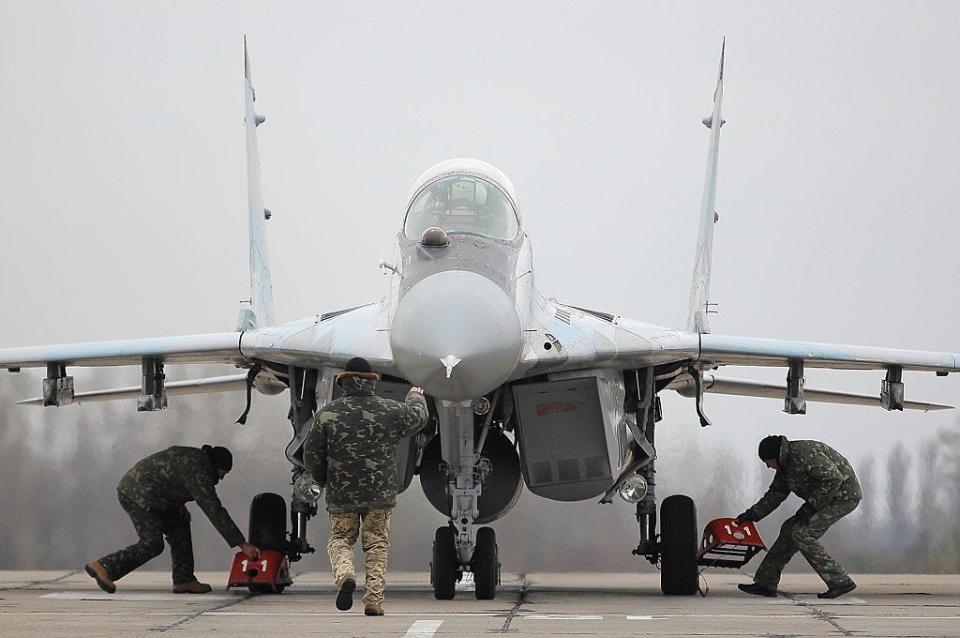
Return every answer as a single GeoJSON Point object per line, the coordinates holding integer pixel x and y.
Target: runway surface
{"type": "Point", "coordinates": [35, 604]}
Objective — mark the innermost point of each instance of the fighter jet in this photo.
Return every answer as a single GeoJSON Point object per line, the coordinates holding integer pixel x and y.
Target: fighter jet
{"type": "Point", "coordinates": [523, 389]}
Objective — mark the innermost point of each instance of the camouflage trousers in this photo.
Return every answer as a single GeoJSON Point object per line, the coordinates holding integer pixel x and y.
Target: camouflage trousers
{"type": "Point", "coordinates": [798, 537]}
{"type": "Point", "coordinates": [151, 527]}
{"type": "Point", "coordinates": [375, 540]}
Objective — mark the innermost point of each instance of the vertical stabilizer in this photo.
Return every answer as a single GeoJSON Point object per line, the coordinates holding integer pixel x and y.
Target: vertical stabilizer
{"type": "Point", "coordinates": [260, 312]}
{"type": "Point", "coordinates": [703, 260]}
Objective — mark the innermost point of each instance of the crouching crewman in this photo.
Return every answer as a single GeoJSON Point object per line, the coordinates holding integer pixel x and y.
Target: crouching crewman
{"type": "Point", "coordinates": [154, 493]}
{"type": "Point", "coordinates": [823, 478]}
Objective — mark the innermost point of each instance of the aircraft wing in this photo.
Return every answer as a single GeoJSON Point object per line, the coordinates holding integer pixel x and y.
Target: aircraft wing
{"type": "Point", "coordinates": [223, 347]}
{"type": "Point", "coordinates": [570, 338]}
{"type": "Point", "coordinates": [329, 339]}
{"type": "Point", "coordinates": [721, 350]}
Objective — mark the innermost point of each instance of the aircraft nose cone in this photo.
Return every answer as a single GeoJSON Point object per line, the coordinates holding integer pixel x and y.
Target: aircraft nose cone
{"type": "Point", "coordinates": [456, 334]}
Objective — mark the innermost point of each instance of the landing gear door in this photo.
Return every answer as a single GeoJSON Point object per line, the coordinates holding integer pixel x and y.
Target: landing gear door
{"type": "Point", "coordinates": [563, 445]}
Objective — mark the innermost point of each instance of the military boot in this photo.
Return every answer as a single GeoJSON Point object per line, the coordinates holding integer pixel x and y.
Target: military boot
{"type": "Point", "coordinates": [99, 573]}
{"type": "Point", "coordinates": [345, 595]}
{"type": "Point", "coordinates": [758, 590]}
{"type": "Point", "coordinates": [193, 587]}
{"type": "Point", "coordinates": [838, 589]}
{"type": "Point", "coordinates": [373, 609]}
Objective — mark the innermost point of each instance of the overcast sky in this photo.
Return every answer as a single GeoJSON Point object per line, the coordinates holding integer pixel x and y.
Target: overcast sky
{"type": "Point", "coordinates": [123, 179]}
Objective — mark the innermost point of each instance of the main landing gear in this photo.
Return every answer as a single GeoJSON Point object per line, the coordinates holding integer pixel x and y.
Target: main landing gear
{"type": "Point", "coordinates": [675, 547]}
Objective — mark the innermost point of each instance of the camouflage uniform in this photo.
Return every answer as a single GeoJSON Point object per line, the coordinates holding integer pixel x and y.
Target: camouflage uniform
{"type": "Point", "coordinates": [153, 493]}
{"type": "Point", "coordinates": [344, 529]}
{"type": "Point", "coordinates": [822, 477]}
{"type": "Point", "coordinates": [351, 451]}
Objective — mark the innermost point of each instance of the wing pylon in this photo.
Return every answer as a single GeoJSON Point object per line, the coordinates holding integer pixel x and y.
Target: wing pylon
{"type": "Point", "coordinates": [714, 384]}
{"type": "Point", "coordinates": [174, 388]}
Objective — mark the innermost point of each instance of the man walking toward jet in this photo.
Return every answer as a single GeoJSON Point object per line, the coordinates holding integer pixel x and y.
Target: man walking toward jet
{"type": "Point", "coordinates": [154, 493]}
{"type": "Point", "coordinates": [823, 478]}
{"type": "Point", "coordinates": [351, 450]}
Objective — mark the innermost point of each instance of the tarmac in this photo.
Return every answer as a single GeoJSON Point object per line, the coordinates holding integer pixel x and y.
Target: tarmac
{"type": "Point", "coordinates": [53, 604]}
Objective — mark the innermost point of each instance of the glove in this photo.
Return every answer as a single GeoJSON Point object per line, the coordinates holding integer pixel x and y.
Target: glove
{"type": "Point", "coordinates": [250, 551]}
{"type": "Point", "coordinates": [805, 513]}
{"type": "Point", "coordinates": [746, 516]}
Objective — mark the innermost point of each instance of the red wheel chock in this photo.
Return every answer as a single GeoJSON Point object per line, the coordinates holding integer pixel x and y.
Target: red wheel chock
{"type": "Point", "coordinates": [727, 544]}
{"type": "Point", "coordinates": [269, 573]}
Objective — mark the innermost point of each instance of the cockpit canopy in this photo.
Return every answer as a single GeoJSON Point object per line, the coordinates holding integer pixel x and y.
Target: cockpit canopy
{"type": "Point", "coordinates": [462, 204]}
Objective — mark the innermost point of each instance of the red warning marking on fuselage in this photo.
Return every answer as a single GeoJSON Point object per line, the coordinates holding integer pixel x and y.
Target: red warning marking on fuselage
{"type": "Point", "coordinates": [555, 407]}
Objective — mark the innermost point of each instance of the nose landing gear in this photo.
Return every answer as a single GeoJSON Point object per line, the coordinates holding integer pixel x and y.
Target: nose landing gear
{"type": "Point", "coordinates": [457, 487]}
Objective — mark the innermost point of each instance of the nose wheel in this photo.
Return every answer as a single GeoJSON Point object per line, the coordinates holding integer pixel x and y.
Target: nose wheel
{"type": "Point", "coordinates": [486, 564]}
{"type": "Point", "coordinates": [446, 571]}
{"type": "Point", "coordinates": [445, 567]}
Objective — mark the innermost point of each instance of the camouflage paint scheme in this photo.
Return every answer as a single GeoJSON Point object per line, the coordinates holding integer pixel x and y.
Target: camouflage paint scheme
{"type": "Point", "coordinates": [823, 478]}
{"type": "Point", "coordinates": [352, 446]}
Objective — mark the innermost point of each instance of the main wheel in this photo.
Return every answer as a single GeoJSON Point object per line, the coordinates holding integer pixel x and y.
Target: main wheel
{"type": "Point", "coordinates": [445, 565]}
{"type": "Point", "coordinates": [268, 522]}
{"type": "Point", "coordinates": [678, 546]}
{"type": "Point", "coordinates": [486, 564]}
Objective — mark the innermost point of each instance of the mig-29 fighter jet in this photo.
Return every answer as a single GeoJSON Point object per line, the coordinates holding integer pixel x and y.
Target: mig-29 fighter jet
{"type": "Point", "coordinates": [523, 390]}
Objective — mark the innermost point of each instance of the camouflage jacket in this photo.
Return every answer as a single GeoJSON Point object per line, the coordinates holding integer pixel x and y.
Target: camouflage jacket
{"type": "Point", "coordinates": [167, 479]}
{"type": "Point", "coordinates": [812, 470]}
{"type": "Point", "coordinates": [352, 446]}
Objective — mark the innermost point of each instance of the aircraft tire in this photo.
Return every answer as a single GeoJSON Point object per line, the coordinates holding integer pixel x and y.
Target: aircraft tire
{"type": "Point", "coordinates": [678, 546]}
{"type": "Point", "coordinates": [445, 565]}
{"type": "Point", "coordinates": [268, 522]}
{"type": "Point", "coordinates": [486, 564]}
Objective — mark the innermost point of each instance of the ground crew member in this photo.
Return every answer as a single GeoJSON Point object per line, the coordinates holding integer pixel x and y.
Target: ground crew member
{"type": "Point", "coordinates": [154, 493]}
{"type": "Point", "coordinates": [823, 478]}
{"type": "Point", "coordinates": [351, 450]}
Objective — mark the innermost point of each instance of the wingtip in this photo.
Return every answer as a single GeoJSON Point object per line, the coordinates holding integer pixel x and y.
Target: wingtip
{"type": "Point", "coordinates": [246, 58]}
{"type": "Point", "coordinates": [723, 52]}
